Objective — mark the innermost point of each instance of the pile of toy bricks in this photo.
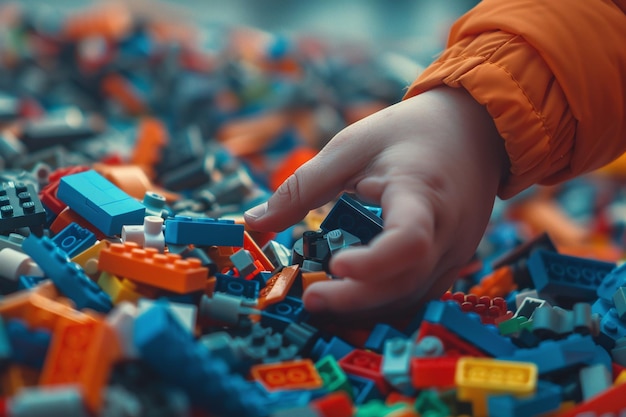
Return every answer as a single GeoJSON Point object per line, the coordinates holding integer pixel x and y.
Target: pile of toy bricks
{"type": "Point", "coordinates": [130, 145]}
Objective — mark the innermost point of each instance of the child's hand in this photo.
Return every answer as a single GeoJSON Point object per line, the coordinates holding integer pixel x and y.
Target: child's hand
{"type": "Point", "coordinates": [433, 163]}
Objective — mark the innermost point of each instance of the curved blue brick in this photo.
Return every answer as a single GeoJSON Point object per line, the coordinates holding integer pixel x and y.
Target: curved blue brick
{"type": "Point", "coordinates": [67, 276]}
{"type": "Point", "coordinates": [172, 352]}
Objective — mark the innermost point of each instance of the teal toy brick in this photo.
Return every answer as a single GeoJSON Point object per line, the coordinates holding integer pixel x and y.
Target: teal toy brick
{"type": "Point", "coordinates": [100, 202]}
{"type": "Point", "coordinates": [203, 231]}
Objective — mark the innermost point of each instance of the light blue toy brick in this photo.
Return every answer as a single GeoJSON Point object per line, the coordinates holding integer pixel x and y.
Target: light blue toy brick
{"type": "Point", "coordinates": [594, 379]}
{"type": "Point", "coordinates": [379, 335]}
{"type": "Point", "coordinates": [396, 364]}
{"type": "Point", "coordinates": [567, 279]}
{"type": "Point", "coordinates": [468, 326]}
{"type": "Point", "coordinates": [619, 300]}
{"type": "Point", "coordinates": [203, 231]}
{"type": "Point", "coordinates": [560, 355]}
{"type": "Point", "coordinates": [611, 329]}
{"type": "Point", "coordinates": [546, 398]}
{"type": "Point", "coordinates": [611, 282]}
{"type": "Point", "coordinates": [100, 202]}
{"type": "Point", "coordinates": [74, 239]}
{"type": "Point", "coordinates": [67, 276]}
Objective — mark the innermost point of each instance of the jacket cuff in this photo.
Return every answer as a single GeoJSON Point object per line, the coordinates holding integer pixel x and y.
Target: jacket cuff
{"type": "Point", "coordinates": [506, 75]}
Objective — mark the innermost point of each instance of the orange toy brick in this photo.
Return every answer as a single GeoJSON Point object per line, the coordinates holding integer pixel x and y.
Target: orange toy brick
{"type": "Point", "coordinates": [287, 167]}
{"type": "Point", "coordinates": [38, 310]}
{"type": "Point", "coordinates": [309, 278]}
{"type": "Point", "coordinates": [251, 246]}
{"type": "Point", "coordinates": [147, 266]}
{"type": "Point", "coordinates": [498, 284]}
{"type": "Point", "coordinates": [83, 354]}
{"type": "Point", "coordinates": [152, 137]}
{"type": "Point", "coordinates": [297, 374]}
{"type": "Point", "coordinates": [68, 216]}
{"type": "Point", "coordinates": [278, 286]}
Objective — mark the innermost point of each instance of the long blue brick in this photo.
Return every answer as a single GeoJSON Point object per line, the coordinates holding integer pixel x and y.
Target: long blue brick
{"type": "Point", "coordinates": [468, 327]}
{"type": "Point", "coordinates": [567, 279]}
{"type": "Point", "coordinates": [203, 231]}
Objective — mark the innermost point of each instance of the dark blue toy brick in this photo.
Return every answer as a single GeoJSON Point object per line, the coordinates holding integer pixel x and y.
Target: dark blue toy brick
{"type": "Point", "coordinates": [100, 202]}
{"type": "Point", "coordinates": [335, 347]}
{"type": "Point", "coordinates": [567, 279]}
{"type": "Point", "coordinates": [351, 216]}
{"type": "Point", "coordinates": [67, 276]}
{"type": "Point", "coordinates": [74, 239]}
{"type": "Point", "coordinates": [379, 335]}
{"type": "Point", "coordinates": [562, 355]}
{"type": "Point", "coordinates": [237, 286]}
{"type": "Point", "coordinates": [204, 231]}
{"type": "Point", "coordinates": [29, 346]}
{"type": "Point", "coordinates": [364, 389]}
{"type": "Point", "coordinates": [546, 398]}
{"type": "Point", "coordinates": [20, 207]}
{"type": "Point", "coordinates": [205, 378]}
{"type": "Point", "coordinates": [5, 344]}
{"type": "Point", "coordinates": [469, 327]}
{"type": "Point", "coordinates": [278, 316]}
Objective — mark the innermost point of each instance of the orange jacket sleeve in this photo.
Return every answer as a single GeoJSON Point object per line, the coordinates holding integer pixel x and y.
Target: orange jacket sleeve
{"type": "Point", "coordinates": [551, 73]}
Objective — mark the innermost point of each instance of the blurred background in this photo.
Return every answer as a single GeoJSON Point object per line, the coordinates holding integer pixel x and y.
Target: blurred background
{"type": "Point", "coordinates": [416, 27]}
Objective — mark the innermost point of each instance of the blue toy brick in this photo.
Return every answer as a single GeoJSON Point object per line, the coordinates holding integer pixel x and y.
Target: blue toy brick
{"type": "Point", "coordinates": [100, 202]}
{"type": "Point", "coordinates": [26, 282]}
{"type": "Point", "coordinates": [336, 347]}
{"type": "Point", "coordinates": [20, 207]}
{"type": "Point", "coordinates": [611, 329]}
{"type": "Point", "coordinates": [379, 335]}
{"type": "Point", "coordinates": [74, 239]}
{"type": "Point", "coordinates": [561, 355]}
{"type": "Point", "coordinates": [611, 282]}
{"type": "Point", "coordinates": [5, 344]}
{"type": "Point", "coordinates": [619, 300]}
{"type": "Point", "coordinates": [469, 327]}
{"type": "Point", "coordinates": [280, 315]}
{"type": "Point", "coordinates": [203, 231]}
{"type": "Point", "coordinates": [567, 279]}
{"type": "Point", "coordinates": [364, 389]}
{"type": "Point", "coordinates": [238, 287]}
{"type": "Point", "coordinates": [594, 380]}
{"type": "Point", "coordinates": [353, 217]}
{"type": "Point", "coordinates": [29, 346]}
{"type": "Point", "coordinates": [546, 398]}
{"type": "Point", "coordinates": [205, 378]}
{"type": "Point", "coordinates": [67, 276]}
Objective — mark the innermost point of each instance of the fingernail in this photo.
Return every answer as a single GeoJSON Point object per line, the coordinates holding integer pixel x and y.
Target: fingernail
{"type": "Point", "coordinates": [314, 303]}
{"type": "Point", "coordinates": [257, 211]}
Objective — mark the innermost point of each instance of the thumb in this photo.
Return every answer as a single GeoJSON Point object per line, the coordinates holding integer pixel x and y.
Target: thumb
{"type": "Point", "coordinates": [312, 185]}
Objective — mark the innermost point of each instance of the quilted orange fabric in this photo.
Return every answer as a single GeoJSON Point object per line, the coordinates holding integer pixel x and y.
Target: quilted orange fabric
{"type": "Point", "coordinates": [552, 74]}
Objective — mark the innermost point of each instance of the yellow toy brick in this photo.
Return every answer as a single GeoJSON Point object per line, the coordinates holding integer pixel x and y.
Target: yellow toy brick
{"type": "Point", "coordinates": [476, 378]}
